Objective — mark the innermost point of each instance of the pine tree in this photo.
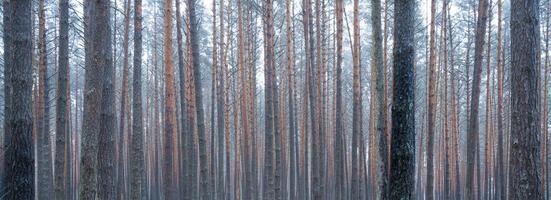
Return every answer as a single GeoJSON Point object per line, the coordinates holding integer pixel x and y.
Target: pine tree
{"type": "Point", "coordinates": [473, 125]}
{"type": "Point", "coordinates": [18, 177]}
{"type": "Point", "coordinates": [402, 156]}
{"type": "Point", "coordinates": [62, 106]}
{"type": "Point", "coordinates": [525, 179]}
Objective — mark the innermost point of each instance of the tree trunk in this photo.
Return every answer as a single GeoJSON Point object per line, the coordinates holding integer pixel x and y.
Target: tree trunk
{"type": "Point", "coordinates": [169, 191]}
{"type": "Point", "coordinates": [196, 85]}
{"type": "Point", "coordinates": [290, 100]}
{"type": "Point", "coordinates": [526, 182]}
{"type": "Point", "coordinates": [44, 165]}
{"type": "Point", "coordinates": [402, 157]}
{"type": "Point", "coordinates": [429, 191]}
{"type": "Point", "coordinates": [356, 106]}
{"type": "Point", "coordinates": [18, 177]}
{"type": "Point", "coordinates": [379, 102]}
{"type": "Point", "coordinates": [62, 106]}
{"type": "Point", "coordinates": [106, 139]}
{"type": "Point", "coordinates": [137, 189]}
{"type": "Point", "coordinates": [98, 56]}
{"type": "Point", "coordinates": [340, 151]}
{"type": "Point", "coordinates": [121, 182]}
{"type": "Point", "coordinates": [473, 125]}
{"type": "Point", "coordinates": [270, 116]}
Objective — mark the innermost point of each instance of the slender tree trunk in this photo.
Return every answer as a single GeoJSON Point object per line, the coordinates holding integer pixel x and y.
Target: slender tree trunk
{"type": "Point", "coordinates": [169, 191]}
{"type": "Point", "coordinates": [431, 105]}
{"type": "Point", "coordinates": [291, 104]}
{"type": "Point", "coordinates": [62, 106]}
{"type": "Point", "coordinates": [526, 182]}
{"type": "Point", "coordinates": [270, 116]}
{"type": "Point", "coordinates": [545, 104]}
{"type": "Point", "coordinates": [44, 165]}
{"type": "Point", "coordinates": [473, 125]}
{"type": "Point", "coordinates": [137, 160]}
{"type": "Point", "coordinates": [500, 172]}
{"type": "Point", "coordinates": [198, 98]}
{"type": "Point", "coordinates": [340, 151]}
{"type": "Point", "coordinates": [124, 102]}
{"type": "Point", "coordinates": [488, 117]}
{"type": "Point", "coordinates": [378, 74]}
{"type": "Point", "coordinates": [18, 177]}
{"type": "Point", "coordinates": [357, 106]}
{"type": "Point", "coordinates": [445, 105]}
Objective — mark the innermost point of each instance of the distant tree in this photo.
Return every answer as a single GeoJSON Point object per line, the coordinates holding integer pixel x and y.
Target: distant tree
{"type": "Point", "coordinates": [124, 109]}
{"type": "Point", "coordinates": [339, 145]}
{"type": "Point", "coordinates": [356, 107]}
{"type": "Point", "coordinates": [44, 154]}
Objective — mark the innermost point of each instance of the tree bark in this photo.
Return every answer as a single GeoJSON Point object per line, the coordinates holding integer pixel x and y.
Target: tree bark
{"type": "Point", "coordinates": [270, 116]}
{"type": "Point", "coordinates": [526, 181]}
{"type": "Point", "coordinates": [402, 157]}
{"type": "Point", "coordinates": [121, 181]}
{"type": "Point", "coordinates": [169, 191]}
{"type": "Point", "coordinates": [379, 102]}
{"type": "Point", "coordinates": [473, 125]}
{"type": "Point", "coordinates": [44, 165]}
{"type": "Point", "coordinates": [106, 139]}
{"type": "Point", "coordinates": [18, 177]}
{"type": "Point", "coordinates": [137, 189]}
{"type": "Point", "coordinates": [356, 107]}
{"type": "Point", "coordinates": [62, 106]}
{"type": "Point", "coordinates": [340, 151]}
{"type": "Point", "coordinates": [98, 54]}
{"type": "Point", "coordinates": [429, 190]}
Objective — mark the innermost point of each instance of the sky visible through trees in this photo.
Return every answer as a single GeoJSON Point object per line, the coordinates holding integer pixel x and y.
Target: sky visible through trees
{"type": "Point", "coordinates": [275, 99]}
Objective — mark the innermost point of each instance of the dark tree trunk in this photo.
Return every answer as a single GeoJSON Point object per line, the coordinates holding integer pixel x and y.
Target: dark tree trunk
{"type": "Point", "coordinates": [220, 95]}
{"type": "Point", "coordinates": [340, 151]}
{"type": "Point", "coordinates": [97, 30]}
{"type": "Point", "coordinates": [269, 75]}
{"type": "Point", "coordinates": [473, 127]}
{"type": "Point", "coordinates": [62, 106]}
{"type": "Point", "coordinates": [356, 107]}
{"type": "Point", "coordinates": [18, 177]}
{"type": "Point", "coordinates": [196, 64]}
{"type": "Point", "coordinates": [137, 190]}
{"type": "Point", "coordinates": [402, 156]}
{"type": "Point", "coordinates": [106, 139]}
{"type": "Point", "coordinates": [526, 180]}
